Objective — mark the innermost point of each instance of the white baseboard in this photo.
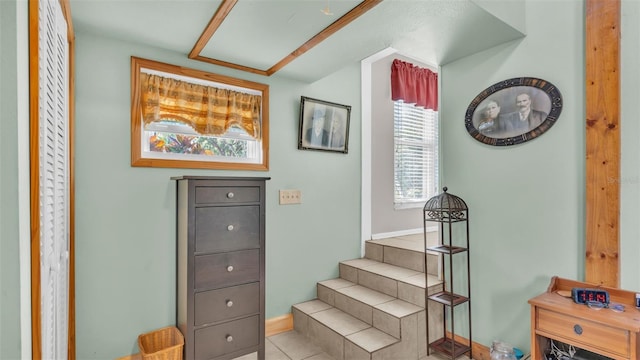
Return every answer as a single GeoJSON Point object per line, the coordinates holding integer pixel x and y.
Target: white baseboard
{"type": "Point", "coordinates": [396, 233]}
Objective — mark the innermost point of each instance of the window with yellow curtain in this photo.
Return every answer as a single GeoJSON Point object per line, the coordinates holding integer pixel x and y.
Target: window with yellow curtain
{"type": "Point", "coordinates": [187, 118]}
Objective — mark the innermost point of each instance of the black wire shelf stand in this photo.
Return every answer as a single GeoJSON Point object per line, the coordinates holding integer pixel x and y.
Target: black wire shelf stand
{"type": "Point", "coordinates": [452, 215]}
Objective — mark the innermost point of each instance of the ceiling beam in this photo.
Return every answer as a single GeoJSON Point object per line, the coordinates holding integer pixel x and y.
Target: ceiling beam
{"type": "Point", "coordinates": [343, 21]}
{"type": "Point", "coordinates": [221, 13]}
{"type": "Point", "coordinates": [225, 8]}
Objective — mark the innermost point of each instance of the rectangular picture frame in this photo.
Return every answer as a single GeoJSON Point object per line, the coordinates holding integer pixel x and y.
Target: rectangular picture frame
{"type": "Point", "coordinates": [323, 126]}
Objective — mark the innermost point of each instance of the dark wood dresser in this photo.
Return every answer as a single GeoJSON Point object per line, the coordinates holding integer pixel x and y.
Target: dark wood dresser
{"type": "Point", "coordinates": [220, 266]}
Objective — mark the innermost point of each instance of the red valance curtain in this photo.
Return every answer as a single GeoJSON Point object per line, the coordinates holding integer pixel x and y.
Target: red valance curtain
{"type": "Point", "coordinates": [413, 84]}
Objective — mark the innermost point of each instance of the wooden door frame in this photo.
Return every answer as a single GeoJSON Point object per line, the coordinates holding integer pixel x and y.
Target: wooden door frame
{"type": "Point", "coordinates": [36, 310]}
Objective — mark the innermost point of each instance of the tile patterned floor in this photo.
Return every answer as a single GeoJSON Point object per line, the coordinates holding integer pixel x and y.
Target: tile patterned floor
{"type": "Point", "coordinates": [291, 345]}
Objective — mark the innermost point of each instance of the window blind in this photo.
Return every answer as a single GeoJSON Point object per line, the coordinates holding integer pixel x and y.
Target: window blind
{"type": "Point", "coordinates": [53, 65]}
{"type": "Point", "coordinates": [416, 154]}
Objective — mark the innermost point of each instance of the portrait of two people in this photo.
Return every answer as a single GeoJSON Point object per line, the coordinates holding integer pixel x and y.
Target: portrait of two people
{"type": "Point", "coordinates": [512, 114]}
{"type": "Point", "coordinates": [325, 128]}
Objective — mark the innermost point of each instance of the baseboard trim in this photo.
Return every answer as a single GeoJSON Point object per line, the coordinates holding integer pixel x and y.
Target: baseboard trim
{"type": "Point", "coordinates": [386, 235]}
{"type": "Point", "coordinates": [480, 352]}
{"type": "Point", "coordinates": [273, 326]}
{"type": "Point", "coordinates": [278, 324]}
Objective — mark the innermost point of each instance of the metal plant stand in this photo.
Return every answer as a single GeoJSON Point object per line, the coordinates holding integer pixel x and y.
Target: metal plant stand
{"type": "Point", "coordinates": [452, 214]}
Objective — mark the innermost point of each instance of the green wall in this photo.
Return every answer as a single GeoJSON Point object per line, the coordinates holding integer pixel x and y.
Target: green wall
{"type": "Point", "coordinates": [630, 151]}
{"type": "Point", "coordinates": [527, 202]}
{"type": "Point", "coordinates": [9, 263]}
{"type": "Point", "coordinates": [125, 216]}
{"type": "Point", "coordinates": [9, 231]}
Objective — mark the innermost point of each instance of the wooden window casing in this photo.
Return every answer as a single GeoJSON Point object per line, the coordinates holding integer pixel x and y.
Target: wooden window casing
{"type": "Point", "coordinates": [137, 159]}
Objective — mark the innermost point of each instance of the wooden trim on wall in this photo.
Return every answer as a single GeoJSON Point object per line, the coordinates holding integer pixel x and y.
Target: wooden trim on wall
{"type": "Point", "coordinates": [602, 263]}
{"type": "Point", "coordinates": [34, 171]}
{"type": "Point", "coordinates": [479, 351]}
{"type": "Point", "coordinates": [71, 335]}
{"type": "Point", "coordinates": [278, 324]}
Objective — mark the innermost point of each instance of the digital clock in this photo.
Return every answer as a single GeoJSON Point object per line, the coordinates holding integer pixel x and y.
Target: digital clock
{"type": "Point", "coordinates": [583, 296]}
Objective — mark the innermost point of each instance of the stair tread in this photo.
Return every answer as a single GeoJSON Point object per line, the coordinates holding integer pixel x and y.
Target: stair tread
{"type": "Point", "coordinates": [358, 332]}
{"type": "Point", "coordinates": [386, 303]}
{"type": "Point", "coordinates": [339, 321]}
{"type": "Point", "coordinates": [312, 306]}
{"type": "Point", "coordinates": [372, 339]}
{"type": "Point", "coordinates": [394, 272]}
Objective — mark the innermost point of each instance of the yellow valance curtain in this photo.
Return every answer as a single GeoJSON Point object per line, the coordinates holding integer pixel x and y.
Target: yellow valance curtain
{"type": "Point", "coordinates": [208, 110]}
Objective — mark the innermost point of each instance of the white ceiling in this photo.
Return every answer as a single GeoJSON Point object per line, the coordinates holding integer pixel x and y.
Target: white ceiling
{"type": "Point", "coordinates": [260, 33]}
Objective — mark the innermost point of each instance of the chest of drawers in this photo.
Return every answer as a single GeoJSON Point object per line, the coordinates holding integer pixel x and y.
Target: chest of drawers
{"type": "Point", "coordinates": [220, 266]}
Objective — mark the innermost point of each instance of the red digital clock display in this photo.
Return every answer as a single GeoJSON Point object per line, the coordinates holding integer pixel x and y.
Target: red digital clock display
{"type": "Point", "coordinates": [583, 296]}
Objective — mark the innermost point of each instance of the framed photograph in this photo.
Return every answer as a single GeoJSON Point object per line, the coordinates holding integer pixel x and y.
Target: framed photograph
{"type": "Point", "coordinates": [513, 111]}
{"type": "Point", "coordinates": [323, 125]}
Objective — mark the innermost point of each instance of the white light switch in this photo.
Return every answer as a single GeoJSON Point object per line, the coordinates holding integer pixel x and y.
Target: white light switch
{"type": "Point", "coordinates": [288, 197]}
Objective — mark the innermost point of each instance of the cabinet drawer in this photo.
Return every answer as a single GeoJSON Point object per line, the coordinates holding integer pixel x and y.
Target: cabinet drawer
{"type": "Point", "coordinates": [581, 331]}
{"type": "Point", "coordinates": [226, 303]}
{"type": "Point", "coordinates": [226, 269]}
{"type": "Point", "coordinates": [227, 228]}
{"type": "Point", "coordinates": [227, 194]}
{"type": "Point", "coordinates": [213, 341]}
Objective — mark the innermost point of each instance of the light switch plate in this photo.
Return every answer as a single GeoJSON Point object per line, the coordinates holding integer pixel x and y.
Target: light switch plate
{"type": "Point", "coordinates": [288, 197]}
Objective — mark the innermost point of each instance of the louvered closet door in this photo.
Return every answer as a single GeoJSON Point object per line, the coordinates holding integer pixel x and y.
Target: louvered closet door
{"type": "Point", "coordinates": [54, 178]}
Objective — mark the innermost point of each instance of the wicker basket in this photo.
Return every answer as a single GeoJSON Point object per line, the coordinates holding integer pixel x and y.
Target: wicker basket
{"type": "Point", "coordinates": [162, 344]}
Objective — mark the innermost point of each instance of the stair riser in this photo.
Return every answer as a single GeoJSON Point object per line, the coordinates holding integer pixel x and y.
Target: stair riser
{"type": "Point", "coordinates": [409, 259]}
{"type": "Point", "coordinates": [408, 348]}
{"type": "Point", "coordinates": [367, 313]}
{"type": "Point", "coordinates": [341, 348]}
{"type": "Point", "coordinates": [401, 290]}
{"type": "Point", "coordinates": [329, 340]}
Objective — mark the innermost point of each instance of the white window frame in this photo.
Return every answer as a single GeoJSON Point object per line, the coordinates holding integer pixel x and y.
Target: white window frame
{"type": "Point", "coordinates": [428, 140]}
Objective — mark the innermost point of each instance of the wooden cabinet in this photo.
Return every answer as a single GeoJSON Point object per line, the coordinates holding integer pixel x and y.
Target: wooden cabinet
{"type": "Point", "coordinates": [601, 331]}
{"type": "Point", "coordinates": [220, 266]}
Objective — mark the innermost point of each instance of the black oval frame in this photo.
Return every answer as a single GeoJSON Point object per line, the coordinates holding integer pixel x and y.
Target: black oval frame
{"type": "Point", "coordinates": [541, 86]}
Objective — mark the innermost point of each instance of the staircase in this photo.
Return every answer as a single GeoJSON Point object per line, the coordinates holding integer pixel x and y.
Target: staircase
{"type": "Point", "coordinates": [375, 309]}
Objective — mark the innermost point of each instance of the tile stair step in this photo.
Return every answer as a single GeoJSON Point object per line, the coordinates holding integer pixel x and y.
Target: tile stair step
{"type": "Point", "coordinates": [392, 280]}
{"type": "Point", "coordinates": [406, 252]}
{"type": "Point", "coordinates": [402, 253]}
{"type": "Point", "coordinates": [371, 306]}
{"type": "Point", "coordinates": [338, 332]}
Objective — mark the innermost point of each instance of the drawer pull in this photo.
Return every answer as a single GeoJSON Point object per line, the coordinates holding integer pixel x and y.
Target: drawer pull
{"type": "Point", "coordinates": [230, 195]}
{"type": "Point", "coordinates": [229, 303]}
{"type": "Point", "coordinates": [230, 227]}
{"type": "Point", "coordinates": [229, 338]}
{"type": "Point", "coordinates": [230, 268]}
{"type": "Point", "coordinates": [577, 329]}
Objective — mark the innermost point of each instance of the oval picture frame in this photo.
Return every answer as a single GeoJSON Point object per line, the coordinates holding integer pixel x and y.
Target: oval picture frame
{"type": "Point", "coordinates": [513, 111]}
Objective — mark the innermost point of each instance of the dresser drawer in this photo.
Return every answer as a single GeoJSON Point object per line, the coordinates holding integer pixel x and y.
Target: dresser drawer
{"type": "Point", "coordinates": [227, 228]}
{"type": "Point", "coordinates": [581, 331]}
{"type": "Point", "coordinates": [226, 303]}
{"type": "Point", "coordinates": [213, 341]}
{"type": "Point", "coordinates": [227, 194]}
{"type": "Point", "coordinates": [226, 269]}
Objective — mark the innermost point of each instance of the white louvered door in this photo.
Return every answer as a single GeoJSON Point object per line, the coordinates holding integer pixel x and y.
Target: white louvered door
{"type": "Point", "coordinates": [53, 65]}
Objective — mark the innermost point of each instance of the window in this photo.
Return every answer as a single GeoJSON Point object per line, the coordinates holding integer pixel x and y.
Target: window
{"type": "Point", "coordinates": [186, 118]}
{"type": "Point", "coordinates": [416, 155]}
